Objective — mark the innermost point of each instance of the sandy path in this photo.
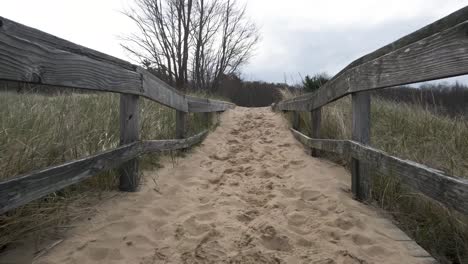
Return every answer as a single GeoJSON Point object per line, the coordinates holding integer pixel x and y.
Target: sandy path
{"type": "Point", "coordinates": [249, 194]}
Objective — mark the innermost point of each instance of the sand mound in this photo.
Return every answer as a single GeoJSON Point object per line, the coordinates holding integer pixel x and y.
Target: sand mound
{"type": "Point", "coordinates": [249, 194]}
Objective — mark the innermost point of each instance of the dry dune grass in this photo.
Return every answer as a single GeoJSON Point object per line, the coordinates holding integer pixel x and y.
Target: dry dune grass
{"type": "Point", "coordinates": [413, 133]}
{"type": "Point", "coordinates": [37, 131]}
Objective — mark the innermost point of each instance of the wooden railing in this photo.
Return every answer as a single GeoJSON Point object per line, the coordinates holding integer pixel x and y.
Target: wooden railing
{"type": "Point", "coordinates": [32, 56]}
{"type": "Point", "coordinates": [439, 50]}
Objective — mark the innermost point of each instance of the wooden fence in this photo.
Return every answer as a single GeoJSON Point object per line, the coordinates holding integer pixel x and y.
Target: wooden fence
{"type": "Point", "coordinates": [32, 56]}
{"type": "Point", "coordinates": [439, 50]}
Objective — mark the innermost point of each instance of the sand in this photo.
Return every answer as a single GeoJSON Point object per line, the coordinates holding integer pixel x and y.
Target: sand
{"type": "Point", "coordinates": [249, 194]}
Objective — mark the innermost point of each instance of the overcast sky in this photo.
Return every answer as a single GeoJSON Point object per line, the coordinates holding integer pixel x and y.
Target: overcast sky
{"type": "Point", "coordinates": [299, 37]}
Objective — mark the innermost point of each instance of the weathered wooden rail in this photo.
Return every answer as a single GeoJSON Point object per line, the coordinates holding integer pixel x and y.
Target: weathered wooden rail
{"type": "Point", "coordinates": [439, 50]}
{"type": "Point", "coordinates": [32, 56]}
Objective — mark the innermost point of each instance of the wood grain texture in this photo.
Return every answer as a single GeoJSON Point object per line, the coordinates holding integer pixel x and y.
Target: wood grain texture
{"type": "Point", "coordinates": [129, 133]}
{"type": "Point", "coordinates": [360, 174]}
{"type": "Point", "coordinates": [26, 188]}
{"type": "Point", "coordinates": [151, 146]}
{"type": "Point", "coordinates": [440, 55]}
{"type": "Point", "coordinates": [449, 191]}
{"type": "Point", "coordinates": [25, 61]}
{"type": "Point", "coordinates": [203, 105]}
{"type": "Point", "coordinates": [181, 124]}
{"type": "Point", "coordinates": [331, 145]}
{"type": "Point", "coordinates": [296, 121]}
{"type": "Point", "coordinates": [18, 30]}
{"type": "Point", "coordinates": [159, 91]}
{"type": "Point", "coordinates": [315, 121]}
{"type": "Point", "coordinates": [440, 25]}
{"type": "Point", "coordinates": [23, 189]}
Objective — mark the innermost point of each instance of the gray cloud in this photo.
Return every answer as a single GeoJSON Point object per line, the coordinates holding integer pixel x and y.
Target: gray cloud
{"type": "Point", "coordinates": [293, 46]}
{"type": "Point", "coordinates": [292, 52]}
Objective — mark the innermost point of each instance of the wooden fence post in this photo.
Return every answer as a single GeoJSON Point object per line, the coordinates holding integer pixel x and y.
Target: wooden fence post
{"type": "Point", "coordinates": [207, 118]}
{"type": "Point", "coordinates": [129, 132]}
{"type": "Point", "coordinates": [181, 122]}
{"type": "Point", "coordinates": [360, 183]}
{"type": "Point", "coordinates": [295, 120]}
{"type": "Point", "coordinates": [315, 121]}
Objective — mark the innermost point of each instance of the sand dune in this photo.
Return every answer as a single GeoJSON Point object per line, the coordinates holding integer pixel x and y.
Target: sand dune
{"type": "Point", "coordinates": [248, 194]}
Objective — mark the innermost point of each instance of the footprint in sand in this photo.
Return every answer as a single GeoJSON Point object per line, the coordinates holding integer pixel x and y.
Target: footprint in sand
{"type": "Point", "coordinates": [361, 240]}
{"type": "Point", "coordinates": [233, 142]}
{"type": "Point", "coordinates": [375, 251]}
{"type": "Point", "coordinates": [266, 174]}
{"type": "Point", "coordinates": [194, 227]}
{"type": "Point", "coordinates": [343, 223]}
{"type": "Point", "coordinates": [205, 252]}
{"type": "Point", "coordinates": [273, 241]}
{"type": "Point", "coordinates": [208, 216]}
{"type": "Point", "coordinates": [296, 219]}
{"type": "Point", "coordinates": [206, 164]}
{"type": "Point", "coordinates": [302, 242]}
{"type": "Point", "coordinates": [248, 216]}
{"type": "Point", "coordinates": [311, 196]}
{"type": "Point", "coordinates": [288, 193]}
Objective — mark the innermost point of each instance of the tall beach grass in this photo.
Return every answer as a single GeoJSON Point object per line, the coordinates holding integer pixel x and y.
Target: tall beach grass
{"type": "Point", "coordinates": [38, 131]}
{"type": "Point", "coordinates": [414, 133]}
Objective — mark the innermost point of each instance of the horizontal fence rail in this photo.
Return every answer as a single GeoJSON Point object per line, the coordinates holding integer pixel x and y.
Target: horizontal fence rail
{"type": "Point", "coordinates": [31, 56]}
{"type": "Point", "coordinates": [450, 191]}
{"type": "Point", "coordinates": [26, 188]}
{"type": "Point", "coordinates": [436, 51]}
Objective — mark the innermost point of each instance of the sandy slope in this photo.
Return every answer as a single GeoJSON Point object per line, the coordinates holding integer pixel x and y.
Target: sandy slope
{"type": "Point", "coordinates": [249, 194]}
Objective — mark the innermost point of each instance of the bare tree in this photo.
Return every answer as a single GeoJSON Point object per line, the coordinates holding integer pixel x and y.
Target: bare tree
{"type": "Point", "coordinates": [191, 41]}
{"type": "Point", "coordinates": [163, 40]}
{"type": "Point", "coordinates": [239, 36]}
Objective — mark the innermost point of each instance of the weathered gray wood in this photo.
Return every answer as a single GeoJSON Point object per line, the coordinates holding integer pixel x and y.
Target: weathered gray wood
{"type": "Point", "coordinates": [360, 175]}
{"type": "Point", "coordinates": [26, 188]}
{"type": "Point", "coordinates": [449, 191]}
{"type": "Point", "coordinates": [203, 105]}
{"type": "Point", "coordinates": [315, 122]}
{"type": "Point", "coordinates": [129, 133]}
{"type": "Point", "coordinates": [32, 56]}
{"type": "Point", "coordinates": [295, 120]}
{"type": "Point", "coordinates": [331, 145]}
{"type": "Point", "coordinates": [15, 29]}
{"type": "Point", "coordinates": [207, 118]}
{"type": "Point", "coordinates": [161, 92]}
{"type": "Point", "coordinates": [30, 62]}
{"type": "Point", "coordinates": [23, 189]}
{"type": "Point", "coordinates": [437, 56]}
{"type": "Point", "coordinates": [181, 124]}
{"type": "Point", "coordinates": [440, 25]}
{"type": "Point", "coordinates": [25, 61]}
{"type": "Point", "coordinates": [150, 146]}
